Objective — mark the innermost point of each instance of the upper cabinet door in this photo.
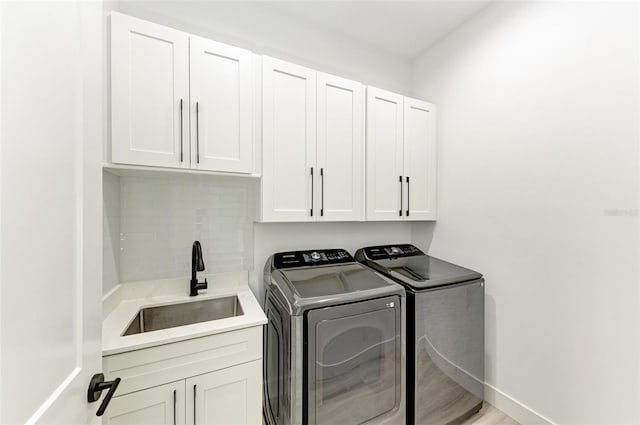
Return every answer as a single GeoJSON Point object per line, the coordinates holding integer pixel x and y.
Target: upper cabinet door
{"type": "Point", "coordinates": [340, 149]}
{"type": "Point", "coordinates": [420, 159]}
{"type": "Point", "coordinates": [149, 93]}
{"type": "Point", "coordinates": [221, 102]}
{"type": "Point", "coordinates": [288, 142]}
{"type": "Point", "coordinates": [385, 179]}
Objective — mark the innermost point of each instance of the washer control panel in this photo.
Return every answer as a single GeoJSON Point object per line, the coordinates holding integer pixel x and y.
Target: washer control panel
{"type": "Point", "coordinates": [317, 257]}
{"type": "Point", "coordinates": [392, 251]}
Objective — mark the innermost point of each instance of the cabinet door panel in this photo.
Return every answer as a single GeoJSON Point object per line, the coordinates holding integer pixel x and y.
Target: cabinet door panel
{"type": "Point", "coordinates": [226, 397]}
{"type": "Point", "coordinates": [221, 85]}
{"type": "Point", "coordinates": [149, 93]}
{"type": "Point", "coordinates": [420, 159]}
{"type": "Point", "coordinates": [289, 140]}
{"type": "Point", "coordinates": [340, 148]}
{"type": "Point", "coordinates": [384, 155]}
{"type": "Point", "coordinates": [162, 405]}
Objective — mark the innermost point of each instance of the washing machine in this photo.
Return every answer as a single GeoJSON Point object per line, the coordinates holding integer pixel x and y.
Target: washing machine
{"type": "Point", "coordinates": [445, 332]}
{"type": "Point", "coordinates": [334, 349]}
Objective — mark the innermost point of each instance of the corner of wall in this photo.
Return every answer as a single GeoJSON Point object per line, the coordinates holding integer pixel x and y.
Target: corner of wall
{"type": "Point", "coordinates": [513, 408]}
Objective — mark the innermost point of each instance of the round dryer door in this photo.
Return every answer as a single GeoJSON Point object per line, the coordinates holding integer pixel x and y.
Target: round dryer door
{"type": "Point", "coordinates": [354, 365]}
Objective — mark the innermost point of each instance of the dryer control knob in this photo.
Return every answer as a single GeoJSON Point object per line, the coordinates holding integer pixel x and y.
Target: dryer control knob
{"type": "Point", "coordinates": [315, 256]}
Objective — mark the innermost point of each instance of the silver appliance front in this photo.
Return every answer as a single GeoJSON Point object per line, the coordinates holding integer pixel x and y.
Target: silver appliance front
{"type": "Point", "coordinates": [448, 359]}
{"type": "Point", "coordinates": [334, 346]}
{"type": "Point", "coordinates": [276, 364]}
{"type": "Point", "coordinates": [354, 363]}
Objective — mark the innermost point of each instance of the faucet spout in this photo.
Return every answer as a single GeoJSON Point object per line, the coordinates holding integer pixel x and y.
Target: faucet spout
{"type": "Point", "coordinates": [197, 265]}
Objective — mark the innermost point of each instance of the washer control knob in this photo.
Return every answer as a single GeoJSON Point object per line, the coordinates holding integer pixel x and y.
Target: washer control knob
{"type": "Point", "coordinates": [395, 250]}
{"type": "Point", "coordinates": [315, 256]}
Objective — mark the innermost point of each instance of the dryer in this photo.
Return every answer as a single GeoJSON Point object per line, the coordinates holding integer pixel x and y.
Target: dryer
{"type": "Point", "coordinates": [334, 347]}
{"type": "Point", "coordinates": [445, 332]}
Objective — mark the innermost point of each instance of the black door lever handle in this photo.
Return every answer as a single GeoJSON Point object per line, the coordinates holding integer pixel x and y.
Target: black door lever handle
{"type": "Point", "coordinates": [96, 386]}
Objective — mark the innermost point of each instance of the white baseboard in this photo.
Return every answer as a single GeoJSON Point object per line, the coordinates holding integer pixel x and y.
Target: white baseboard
{"type": "Point", "coordinates": [513, 408]}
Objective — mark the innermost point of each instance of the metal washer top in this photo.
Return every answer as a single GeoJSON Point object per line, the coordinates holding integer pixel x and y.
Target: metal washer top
{"type": "Point", "coordinates": [309, 287]}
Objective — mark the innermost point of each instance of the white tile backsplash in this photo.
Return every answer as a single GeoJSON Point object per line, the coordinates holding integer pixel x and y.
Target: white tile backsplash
{"type": "Point", "coordinates": [110, 231]}
{"type": "Point", "coordinates": [152, 219]}
{"type": "Point", "coordinates": [161, 216]}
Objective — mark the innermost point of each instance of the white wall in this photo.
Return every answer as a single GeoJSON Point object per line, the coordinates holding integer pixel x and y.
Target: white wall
{"type": "Point", "coordinates": [538, 183]}
{"type": "Point", "coordinates": [264, 29]}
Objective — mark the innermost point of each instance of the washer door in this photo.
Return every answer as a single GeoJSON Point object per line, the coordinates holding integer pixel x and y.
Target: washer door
{"type": "Point", "coordinates": [354, 362]}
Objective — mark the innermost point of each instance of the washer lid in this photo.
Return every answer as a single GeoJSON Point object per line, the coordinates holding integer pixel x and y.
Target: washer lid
{"type": "Point", "coordinates": [333, 280]}
{"type": "Point", "coordinates": [323, 278]}
{"type": "Point", "coordinates": [407, 264]}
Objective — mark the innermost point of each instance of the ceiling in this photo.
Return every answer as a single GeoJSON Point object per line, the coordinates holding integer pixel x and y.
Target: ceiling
{"type": "Point", "coordinates": [402, 28]}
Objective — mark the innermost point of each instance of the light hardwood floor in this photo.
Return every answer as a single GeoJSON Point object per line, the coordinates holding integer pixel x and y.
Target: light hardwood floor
{"type": "Point", "coordinates": [489, 415]}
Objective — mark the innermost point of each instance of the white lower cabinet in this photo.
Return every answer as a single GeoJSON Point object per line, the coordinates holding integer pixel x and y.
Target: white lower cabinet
{"type": "Point", "coordinates": [213, 380]}
{"type": "Point", "coordinates": [229, 396]}
{"type": "Point", "coordinates": [162, 405]}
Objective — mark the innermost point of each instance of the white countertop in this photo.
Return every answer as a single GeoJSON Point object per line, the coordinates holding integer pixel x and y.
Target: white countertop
{"type": "Point", "coordinates": [122, 303]}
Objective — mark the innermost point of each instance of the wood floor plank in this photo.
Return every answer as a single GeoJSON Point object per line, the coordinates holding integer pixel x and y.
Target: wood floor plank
{"type": "Point", "coordinates": [489, 415]}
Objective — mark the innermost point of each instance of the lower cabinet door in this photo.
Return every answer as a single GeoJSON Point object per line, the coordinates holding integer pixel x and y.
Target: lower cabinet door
{"type": "Point", "coordinates": [162, 405]}
{"type": "Point", "coordinates": [226, 397]}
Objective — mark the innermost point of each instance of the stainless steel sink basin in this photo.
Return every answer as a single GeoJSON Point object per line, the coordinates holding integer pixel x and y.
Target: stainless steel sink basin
{"type": "Point", "coordinates": [172, 315]}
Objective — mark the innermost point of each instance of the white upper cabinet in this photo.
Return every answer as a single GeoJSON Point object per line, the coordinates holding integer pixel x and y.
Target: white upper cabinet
{"type": "Point", "coordinates": [385, 183]}
{"type": "Point", "coordinates": [401, 157]}
{"type": "Point", "coordinates": [312, 145]}
{"type": "Point", "coordinates": [420, 159]}
{"type": "Point", "coordinates": [149, 93]}
{"type": "Point", "coordinates": [178, 100]}
{"type": "Point", "coordinates": [288, 142]}
{"type": "Point", "coordinates": [340, 148]}
{"type": "Point", "coordinates": [221, 107]}
{"type": "Point", "coordinates": [182, 101]}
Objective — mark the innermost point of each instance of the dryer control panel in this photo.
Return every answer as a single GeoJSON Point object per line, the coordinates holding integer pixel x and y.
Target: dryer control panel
{"type": "Point", "coordinates": [316, 257]}
{"type": "Point", "coordinates": [392, 251]}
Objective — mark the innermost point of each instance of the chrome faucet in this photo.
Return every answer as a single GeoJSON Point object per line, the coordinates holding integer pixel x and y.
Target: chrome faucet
{"type": "Point", "coordinates": [197, 265]}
